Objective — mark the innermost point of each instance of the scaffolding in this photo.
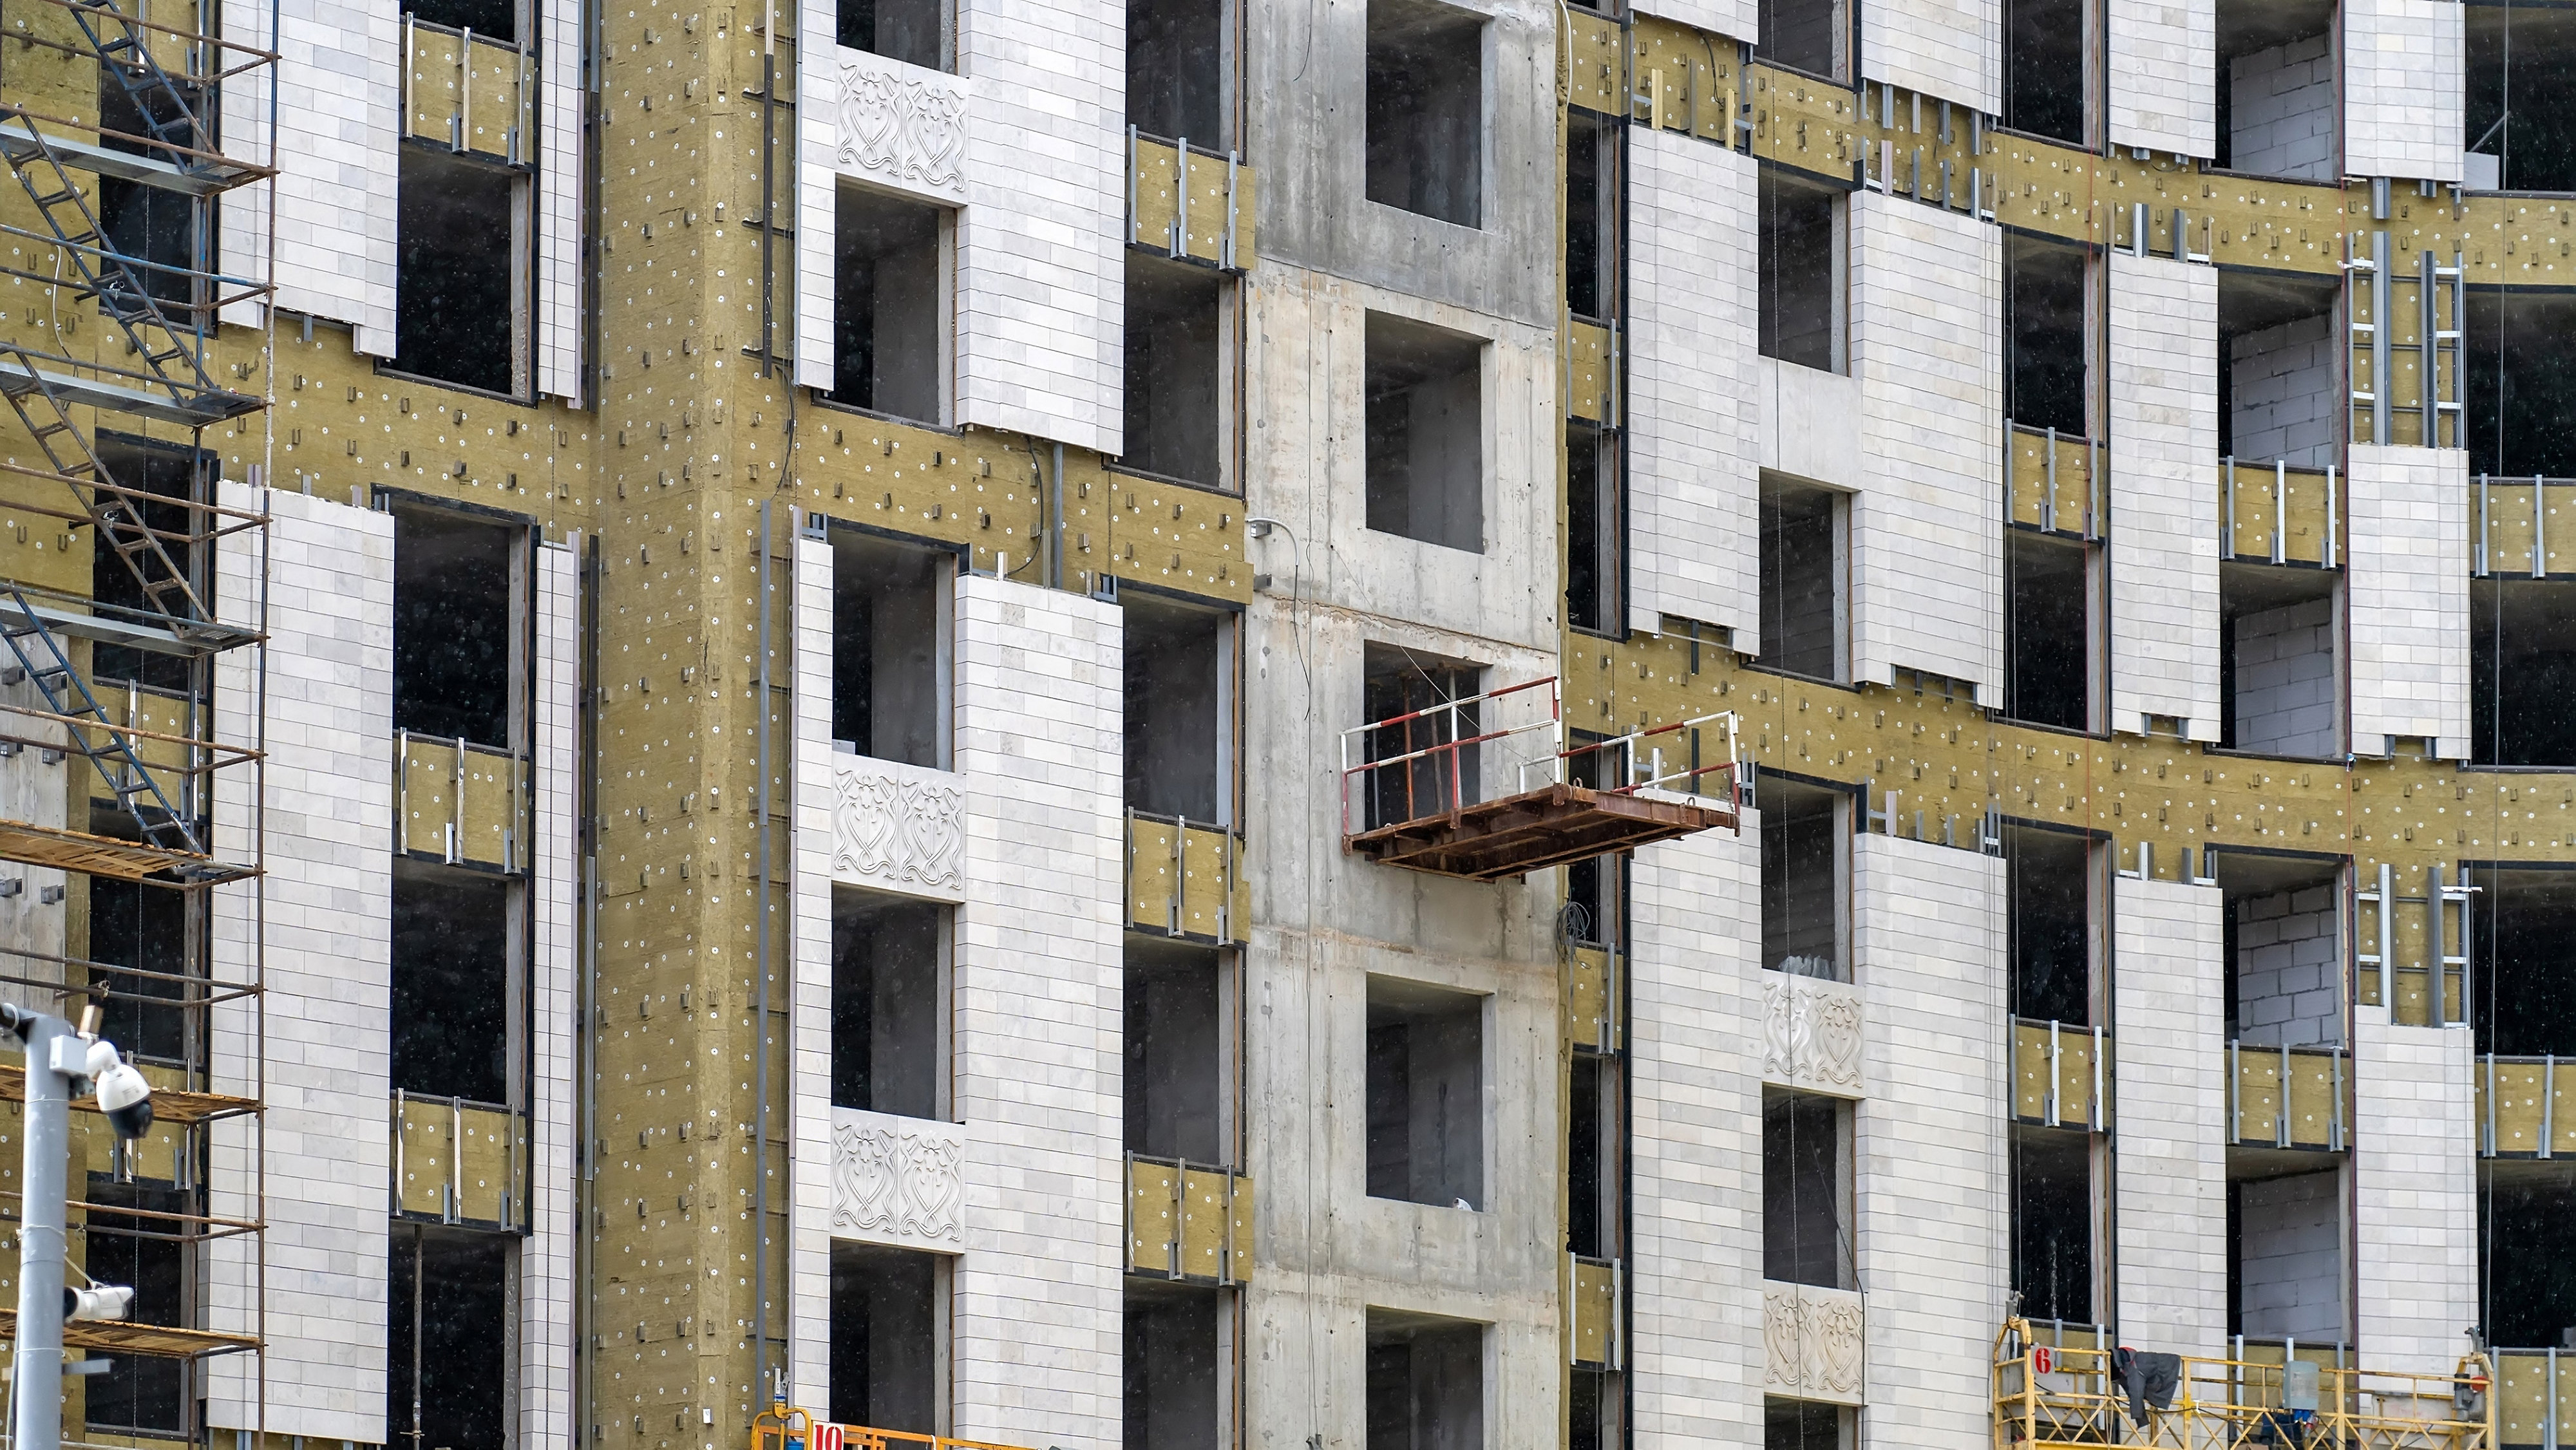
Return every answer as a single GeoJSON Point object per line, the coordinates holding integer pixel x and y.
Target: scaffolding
{"type": "Point", "coordinates": [110, 122]}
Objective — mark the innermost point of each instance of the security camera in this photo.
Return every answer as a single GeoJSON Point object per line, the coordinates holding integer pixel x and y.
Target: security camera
{"type": "Point", "coordinates": [123, 1094]}
{"type": "Point", "coordinates": [98, 1301]}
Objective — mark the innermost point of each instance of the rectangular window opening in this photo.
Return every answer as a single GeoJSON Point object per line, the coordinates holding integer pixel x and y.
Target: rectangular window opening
{"type": "Point", "coordinates": [1591, 215]}
{"type": "Point", "coordinates": [1426, 778]}
{"type": "Point", "coordinates": [2525, 980]}
{"type": "Point", "coordinates": [1806, 1190]}
{"type": "Point", "coordinates": [1426, 109]}
{"type": "Point", "coordinates": [2284, 954]}
{"type": "Point", "coordinates": [1179, 1044]}
{"type": "Point", "coordinates": [164, 471]}
{"type": "Point", "coordinates": [148, 928]}
{"type": "Point", "coordinates": [461, 611]}
{"type": "Point", "coordinates": [889, 1005]}
{"type": "Point", "coordinates": [1175, 1366]}
{"type": "Point", "coordinates": [1426, 429]}
{"type": "Point", "coordinates": [2527, 1252]}
{"type": "Point", "coordinates": [1180, 75]}
{"type": "Point", "coordinates": [1176, 369]}
{"type": "Point", "coordinates": [2053, 1217]}
{"type": "Point", "coordinates": [1595, 528]}
{"type": "Point", "coordinates": [2051, 668]}
{"type": "Point", "coordinates": [889, 1339]}
{"type": "Point", "coordinates": [452, 1333]}
{"type": "Point", "coordinates": [1802, 269]}
{"type": "Point", "coordinates": [1806, 877]}
{"type": "Point", "coordinates": [2520, 51]}
{"type": "Point", "coordinates": [2279, 681]}
{"type": "Point", "coordinates": [2045, 44]}
{"type": "Point", "coordinates": [914, 32]}
{"type": "Point", "coordinates": [2285, 1268]}
{"type": "Point", "coordinates": [1813, 36]}
{"type": "Point", "coordinates": [2521, 396]}
{"type": "Point", "coordinates": [890, 649]}
{"type": "Point", "coordinates": [1179, 683]}
{"type": "Point", "coordinates": [461, 272]}
{"type": "Point", "coordinates": [458, 1010]}
{"type": "Point", "coordinates": [1808, 1425]}
{"type": "Point", "coordinates": [1426, 1073]}
{"type": "Point", "coordinates": [2280, 351]}
{"type": "Point", "coordinates": [1592, 1140]}
{"type": "Point", "coordinates": [160, 232]}
{"type": "Point", "coordinates": [2051, 890]}
{"type": "Point", "coordinates": [1806, 570]}
{"type": "Point", "coordinates": [2522, 671]}
{"type": "Point", "coordinates": [145, 1395]}
{"type": "Point", "coordinates": [1426, 1382]}
{"type": "Point", "coordinates": [890, 305]}
{"type": "Point", "coordinates": [495, 19]}
{"type": "Point", "coordinates": [2275, 83]}
{"type": "Point", "coordinates": [2049, 319]}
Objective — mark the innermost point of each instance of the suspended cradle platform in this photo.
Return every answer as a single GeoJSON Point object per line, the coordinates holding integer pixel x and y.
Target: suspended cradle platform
{"type": "Point", "coordinates": [1554, 825]}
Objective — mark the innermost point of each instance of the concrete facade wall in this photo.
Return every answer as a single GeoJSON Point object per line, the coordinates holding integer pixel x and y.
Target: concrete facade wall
{"type": "Point", "coordinates": [1693, 499]}
{"type": "Point", "coordinates": [328, 969]}
{"type": "Point", "coordinates": [2289, 969]}
{"type": "Point", "coordinates": [1695, 1100]}
{"type": "Point", "coordinates": [2169, 1079]}
{"type": "Point", "coordinates": [2286, 685]}
{"type": "Point", "coordinates": [2163, 57]}
{"type": "Point", "coordinates": [1929, 1165]}
{"type": "Point", "coordinates": [2290, 1258]}
{"type": "Point", "coordinates": [2164, 531]}
{"type": "Point", "coordinates": [2415, 1193]}
{"type": "Point", "coordinates": [1927, 553]}
{"type": "Point", "coordinates": [2283, 395]}
{"type": "Point", "coordinates": [2282, 110]}
{"type": "Point", "coordinates": [2407, 595]}
{"type": "Point", "coordinates": [2404, 85]}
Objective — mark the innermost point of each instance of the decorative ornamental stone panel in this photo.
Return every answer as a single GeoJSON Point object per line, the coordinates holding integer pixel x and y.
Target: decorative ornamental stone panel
{"type": "Point", "coordinates": [895, 1180]}
{"type": "Point", "coordinates": [1811, 1343]}
{"type": "Point", "coordinates": [900, 126]}
{"type": "Point", "coordinates": [1811, 1034]}
{"type": "Point", "coordinates": [899, 828]}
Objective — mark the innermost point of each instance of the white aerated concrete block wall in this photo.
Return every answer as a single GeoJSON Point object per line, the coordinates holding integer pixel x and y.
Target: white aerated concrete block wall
{"type": "Point", "coordinates": [2415, 1193]}
{"type": "Point", "coordinates": [2284, 397]}
{"type": "Point", "coordinates": [2164, 524]}
{"type": "Point", "coordinates": [2168, 996]}
{"type": "Point", "coordinates": [546, 1294]}
{"type": "Point", "coordinates": [2283, 110]}
{"type": "Point", "coordinates": [338, 99]}
{"type": "Point", "coordinates": [1928, 952]}
{"type": "Point", "coordinates": [2407, 594]}
{"type": "Point", "coordinates": [809, 1233]}
{"type": "Point", "coordinates": [2285, 680]}
{"type": "Point", "coordinates": [1692, 475]}
{"type": "Point", "coordinates": [1927, 324]}
{"type": "Point", "coordinates": [2290, 1258]}
{"type": "Point", "coordinates": [1038, 1313]}
{"type": "Point", "coordinates": [1948, 49]}
{"type": "Point", "coordinates": [328, 968]}
{"type": "Point", "coordinates": [2404, 74]}
{"type": "Point", "coordinates": [1041, 261]}
{"type": "Point", "coordinates": [1695, 984]}
{"type": "Point", "coordinates": [2289, 977]}
{"type": "Point", "coordinates": [2164, 57]}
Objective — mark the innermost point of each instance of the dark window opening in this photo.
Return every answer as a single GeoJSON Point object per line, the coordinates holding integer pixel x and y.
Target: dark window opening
{"type": "Point", "coordinates": [2279, 351]}
{"type": "Point", "coordinates": [2049, 890]}
{"type": "Point", "coordinates": [2525, 982]}
{"type": "Point", "coordinates": [2521, 382]}
{"type": "Point", "coordinates": [449, 1337]}
{"type": "Point", "coordinates": [1426, 109]}
{"type": "Point", "coordinates": [2046, 321]}
{"type": "Point", "coordinates": [1175, 383]}
{"type": "Point", "coordinates": [1426, 429]}
{"type": "Point", "coordinates": [2277, 108]}
{"type": "Point", "coordinates": [1806, 1191]}
{"type": "Point", "coordinates": [1591, 215]}
{"type": "Point", "coordinates": [1171, 1367]}
{"type": "Point", "coordinates": [890, 649]}
{"type": "Point", "coordinates": [159, 231]}
{"type": "Point", "coordinates": [889, 306]}
{"type": "Point", "coordinates": [1400, 682]}
{"type": "Point", "coordinates": [456, 654]}
{"type": "Point", "coordinates": [912, 31]}
{"type": "Point", "coordinates": [1177, 1098]}
{"type": "Point", "coordinates": [2048, 630]}
{"type": "Point", "coordinates": [888, 1360]}
{"type": "Point", "coordinates": [497, 19]}
{"type": "Point", "coordinates": [2527, 1249]}
{"type": "Point", "coordinates": [2052, 1223]}
{"type": "Point", "coordinates": [2044, 47]}
{"type": "Point", "coordinates": [1178, 71]}
{"type": "Point", "coordinates": [1426, 1115]}
{"type": "Point", "coordinates": [140, 1393]}
{"type": "Point", "coordinates": [2522, 52]}
{"type": "Point", "coordinates": [1805, 568]}
{"type": "Point", "coordinates": [1813, 36]}
{"type": "Point", "coordinates": [1587, 1128]}
{"type": "Point", "coordinates": [2522, 672]}
{"type": "Point", "coordinates": [1804, 890]}
{"type": "Point", "coordinates": [889, 1005]}
{"type": "Point", "coordinates": [1179, 709]}
{"type": "Point", "coordinates": [1801, 271]}
{"type": "Point", "coordinates": [1426, 1382]}
{"type": "Point", "coordinates": [145, 928]}
{"type": "Point", "coordinates": [458, 315]}
{"type": "Point", "coordinates": [1592, 1409]}
{"type": "Point", "coordinates": [1805, 1425]}
{"type": "Point", "coordinates": [164, 472]}
{"type": "Point", "coordinates": [2285, 1270]}
{"type": "Point", "coordinates": [1594, 886]}
{"type": "Point", "coordinates": [455, 997]}
{"type": "Point", "coordinates": [1594, 528]}
{"type": "Point", "coordinates": [2278, 679]}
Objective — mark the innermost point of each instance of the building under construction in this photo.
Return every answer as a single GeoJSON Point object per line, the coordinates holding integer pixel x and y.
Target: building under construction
{"type": "Point", "coordinates": [1417, 725]}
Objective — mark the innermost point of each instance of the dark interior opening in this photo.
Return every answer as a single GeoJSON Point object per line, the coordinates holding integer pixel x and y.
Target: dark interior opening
{"type": "Point", "coordinates": [1813, 36]}
{"type": "Point", "coordinates": [138, 1392]}
{"type": "Point", "coordinates": [1800, 280]}
{"type": "Point", "coordinates": [447, 1340]}
{"type": "Point", "coordinates": [2525, 988]}
{"type": "Point", "coordinates": [2278, 682]}
{"type": "Point", "coordinates": [1593, 530]}
{"type": "Point", "coordinates": [2279, 354]}
{"type": "Point", "coordinates": [1803, 842]}
{"type": "Point", "coordinates": [1426, 109]}
{"type": "Point", "coordinates": [1176, 1097]}
{"type": "Point", "coordinates": [1171, 1367]}
{"type": "Point", "coordinates": [2044, 329]}
{"type": "Point", "coordinates": [1177, 726]}
{"type": "Point", "coordinates": [1426, 1383]}
{"type": "Point", "coordinates": [2522, 671]}
{"type": "Point", "coordinates": [452, 993]}
{"type": "Point", "coordinates": [912, 31]}
{"type": "Point", "coordinates": [498, 19]}
{"type": "Point", "coordinates": [165, 472]}
{"type": "Point", "coordinates": [2277, 103]}
{"type": "Point", "coordinates": [1802, 1425]}
{"type": "Point", "coordinates": [2529, 52]}
{"type": "Point", "coordinates": [1400, 682]}
{"type": "Point", "coordinates": [1426, 429]}
{"type": "Point", "coordinates": [889, 314]}
{"type": "Point", "coordinates": [2044, 44]}
{"type": "Point", "coordinates": [1426, 1073]}
{"type": "Point", "coordinates": [1803, 579]}
{"type": "Point", "coordinates": [2048, 884]}
{"type": "Point", "coordinates": [1806, 1168]}
{"type": "Point", "coordinates": [158, 230]}
{"type": "Point", "coordinates": [2048, 630]}
{"type": "Point", "coordinates": [888, 1005]}
{"type": "Point", "coordinates": [889, 649]}
{"type": "Point", "coordinates": [146, 928]}
{"type": "Point", "coordinates": [1175, 370]}
{"type": "Point", "coordinates": [452, 625]}
{"type": "Point", "coordinates": [1584, 1158]}
{"type": "Point", "coordinates": [2052, 1223]}
{"type": "Point", "coordinates": [885, 1339]}
{"type": "Point", "coordinates": [1176, 71]}
{"type": "Point", "coordinates": [2527, 1247]}
{"type": "Point", "coordinates": [1591, 214]}
{"type": "Point", "coordinates": [455, 320]}
{"type": "Point", "coordinates": [2521, 382]}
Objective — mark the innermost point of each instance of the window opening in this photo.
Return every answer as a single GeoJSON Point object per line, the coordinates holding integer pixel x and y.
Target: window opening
{"type": "Point", "coordinates": [1802, 267]}
{"type": "Point", "coordinates": [1806, 888]}
{"type": "Point", "coordinates": [1805, 579]}
{"type": "Point", "coordinates": [2275, 83]}
{"type": "Point", "coordinates": [1400, 682]}
{"type": "Point", "coordinates": [890, 649]}
{"type": "Point", "coordinates": [890, 309]}
{"type": "Point", "coordinates": [1806, 1191]}
{"type": "Point", "coordinates": [460, 276]}
{"type": "Point", "coordinates": [1176, 371]}
{"type": "Point", "coordinates": [1426, 109]}
{"type": "Point", "coordinates": [1426, 1382]}
{"type": "Point", "coordinates": [1426, 425]}
{"type": "Point", "coordinates": [889, 1339]}
{"type": "Point", "coordinates": [450, 1340]}
{"type": "Point", "coordinates": [1426, 1068]}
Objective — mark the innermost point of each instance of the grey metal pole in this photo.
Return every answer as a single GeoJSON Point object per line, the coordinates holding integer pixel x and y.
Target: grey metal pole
{"type": "Point", "coordinates": [40, 1234]}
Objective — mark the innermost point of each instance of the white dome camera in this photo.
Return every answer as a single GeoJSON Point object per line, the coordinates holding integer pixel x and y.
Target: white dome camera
{"type": "Point", "coordinates": [123, 1094]}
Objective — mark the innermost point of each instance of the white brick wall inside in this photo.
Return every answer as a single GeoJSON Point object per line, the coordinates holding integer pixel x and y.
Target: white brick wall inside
{"type": "Point", "coordinates": [2164, 527]}
{"type": "Point", "coordinates": [2283, 398]}
{"type": "Point", "coordinates": [327, 967]}
{"type": "Point", "coordinates": [2289, 1258]}
{"type": "Point", "coordinates": [1696, 1097]}
{"type": "Point", "coordinates": [1926, 305]}
{"type": "Point", "coordinates": [2404, 78]}
{"type": "Point", "coordinates": [2415, 1193]}
{"type": "Point", "coordinates": [1692, 475]}
{"type": "Point", "coordinates": [2282, 110]}
{"type": "Point", "coordinates": [2407, 593]}
{"type": "Point", "coordinates": [2167, 997]}
{"type": "Point", "coordinates": [1928, 944]}
{"type": "Point", "coordinates": [2163, 57]}
{"type": "Point", "coordinates": [2288, 969]}
{"type": "Point", "coordinates": [2285, 680]}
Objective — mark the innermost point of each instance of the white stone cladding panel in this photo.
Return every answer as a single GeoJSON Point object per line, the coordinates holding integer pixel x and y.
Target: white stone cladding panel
{"type": "Point", "coordinates": [1734, 19]}
{"type": "Point", "coordinates": [1949, 49]}
{"type": "Point", "coordinates": [2407, 597]}
{"type": "Point", "coordinates": [2404, 79]}
{"type": "Point", "coordinates": [818, 95]}
{"type": "Point", "coordinates": [2415, 1193]}
{"type": "Point", "coordinates": [2164, 59]}
{"type": "Point", "coordinates": [1041, 259]}
{"type": "Point", "coordinates": [2290, 1257]}
{"type": "Point", "coordinates": [546, 1294]}
{"type": "Point", "coordinates": [337, 92]}
{"type": "Point", "coordinates": [1788, 400]}
{"type": "Point", "coordinates": [2168, 995]}
{"type": "Point", "coordinates": [1039, 1005]}
{"type": "Point", "coordinates": [809, 1040]}
{"type": "Point", "coordinates": [2289, 975]}
{"type": "Point", "coordinates": [1696, 1103]}
{"type": "Point", "coordinates": [561, 166]}
{"type": "Point", "coordinates": [1927, 319]}
{"type": "Point", "coordinates": [1929, 1164]}
{"type": "Point", "coordinates": [1692, 477]}
{"type": "Point", "coordinates": [2283, 110]}
{"type": "Point", "coordinates": [2164, 516]}
{"type": "Point", "coordinates": [326, 962]}
{"type": "Point", "coordinates": [2285, 680]}
{"type": "Point", "coordinates": [2285, 396]}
